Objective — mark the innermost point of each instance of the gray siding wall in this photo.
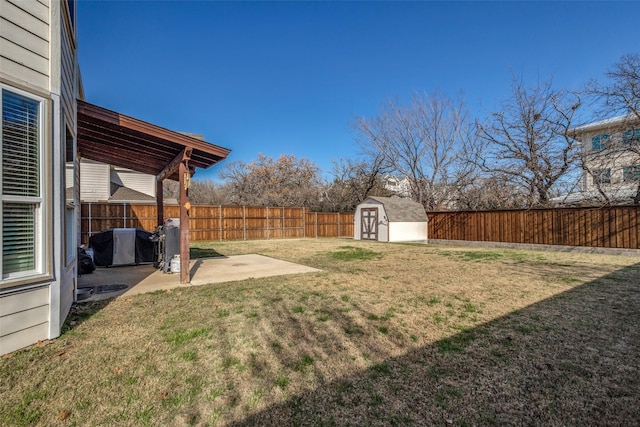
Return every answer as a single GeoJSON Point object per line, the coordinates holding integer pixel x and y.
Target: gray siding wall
{"type": "Point", "coordinates": [24, 42]}
{"type": "Point", "coordinates": [68, 95]}
{"type": "Point", "coordinates": [24, 318]}
{"type": "Point", "coordinates": [25, 61]}
{"type": "Point", "coordinates": [69, 74]}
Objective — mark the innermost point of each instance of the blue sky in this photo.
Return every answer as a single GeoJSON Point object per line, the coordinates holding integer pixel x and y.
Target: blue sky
{"type": "Point", "coordinates": [288, 77]}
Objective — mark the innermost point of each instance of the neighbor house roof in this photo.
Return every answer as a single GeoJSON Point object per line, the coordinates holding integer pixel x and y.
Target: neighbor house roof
{"type": "Point", "coordinates": [121, 194]}
{"type": "Point", "coordinates": [622, 195]}
{"type": "Point", "coordinates": [401, 210]}
{"type": "Point", "coordinates": [603, 124]}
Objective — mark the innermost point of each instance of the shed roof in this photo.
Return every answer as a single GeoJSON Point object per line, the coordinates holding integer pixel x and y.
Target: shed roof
{"type": "Point", "coordinates": [401, 210]}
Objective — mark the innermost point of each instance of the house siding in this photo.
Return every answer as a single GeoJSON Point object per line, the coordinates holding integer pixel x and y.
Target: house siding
{"type": "Point", "coordinates": [25, 63]}
{"type": "Point", "coordinates": [69, 81]}
{"type": "Point", "coordinates": [38, 54]}
{"type": "Point", "coordinates": [136, 181]}
{"type": "Point", "coordinates": [24, 318]}
{"type": "Point", "coordinates": [68, 95]}
{"type": "Point", "coordinates": [94, 181]}
{"type": "Point", "coordinates": [24, 43]}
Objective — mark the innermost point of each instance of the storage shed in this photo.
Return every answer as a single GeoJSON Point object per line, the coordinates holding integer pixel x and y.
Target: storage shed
{"type": "Point", "coordinates": [390, 219]}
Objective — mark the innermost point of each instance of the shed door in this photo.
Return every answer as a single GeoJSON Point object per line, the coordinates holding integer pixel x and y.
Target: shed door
{"type": "Point", "coordinates": [369, 221]}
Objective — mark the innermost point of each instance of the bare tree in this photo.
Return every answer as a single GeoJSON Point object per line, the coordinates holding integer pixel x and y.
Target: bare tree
{"type": "Point", "coordinates": [528, 143]}
{"type": "Point", "coordinates": [286, 181]}
{"type": "Point", "coordinates": [206, 192]}
{"type": "Point", "coordinates": [620, 94]}
{"type": "Point", "coordinates": [422, 142]}
{"type": "Point", "coordinates": [491, 193]}
{"type": "Point", "coordinates": [352, 182]}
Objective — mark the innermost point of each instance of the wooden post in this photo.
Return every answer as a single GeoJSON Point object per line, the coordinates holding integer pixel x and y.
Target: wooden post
{"type": "Point", "coordinates": [160, 201]}
{"type": "Point", "coordinates": [267, 222]}
{"type": "Point", "coordinates": [185, 179]}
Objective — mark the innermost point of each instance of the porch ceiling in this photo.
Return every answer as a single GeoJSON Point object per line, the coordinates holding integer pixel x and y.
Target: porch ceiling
{"type": "Point", "coordinates": [110, 137]}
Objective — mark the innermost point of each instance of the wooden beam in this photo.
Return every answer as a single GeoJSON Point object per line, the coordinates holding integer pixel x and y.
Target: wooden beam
{"type": "Point", "coordinates": [174, 164]}
{"type": "Point", "coordinates": [185, 177]}
{"type": "Point", "coordinates": [95, 112]}
{"type": "Point", "coordinates": [160, 201]}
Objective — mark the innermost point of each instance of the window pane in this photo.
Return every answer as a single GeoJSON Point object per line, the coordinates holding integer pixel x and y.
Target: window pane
{"type": "Point", "coordinates": [631, 173]}
{"type": "Point", "coordinates": [20, 145]}
{"type": "Point", "coordinates": [631, 136]}
{"type": "Point", "coordinates": [18, 237]}
{"type": "Point", "coordinates": [602, 176]}
{"type": "Point", "coordinates": [599, 142]}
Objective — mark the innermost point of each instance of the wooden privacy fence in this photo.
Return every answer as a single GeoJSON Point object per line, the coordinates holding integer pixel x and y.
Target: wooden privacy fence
{"type": "Point", "coordinates": [220, 222]}
{"type": "Point", "coordinates": [610, 227]}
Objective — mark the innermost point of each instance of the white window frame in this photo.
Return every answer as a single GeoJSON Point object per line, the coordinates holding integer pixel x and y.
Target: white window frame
{"type": "Point", "coordinates": [602, 176]}
{"type": "Point", "coordinates": [40, 201]}
{"type": "Point", "coordinates": [631, 174]}
{"type": "Point", "coordinates": [602, 140]}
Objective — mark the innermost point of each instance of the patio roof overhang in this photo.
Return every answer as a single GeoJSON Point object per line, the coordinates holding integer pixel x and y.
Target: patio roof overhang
{"type": "Point", "coordinates": [113, 138]}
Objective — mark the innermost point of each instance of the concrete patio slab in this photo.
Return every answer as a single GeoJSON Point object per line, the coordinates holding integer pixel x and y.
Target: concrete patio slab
{"type": "Point", "coordinates": [145, 278]}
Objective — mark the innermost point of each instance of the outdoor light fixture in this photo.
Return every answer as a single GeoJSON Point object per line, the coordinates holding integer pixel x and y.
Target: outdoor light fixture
{"type": "Point", "coordinates": [187, 180]}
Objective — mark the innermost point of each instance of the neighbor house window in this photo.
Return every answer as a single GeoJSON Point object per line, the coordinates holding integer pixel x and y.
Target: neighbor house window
{"type": "Point", "coordinates": [631, 136]}
{"type": "Point", "coordinates": [631, 174]}
{"type": "Point", "coordinates": [602, 176]}
{"type": "Point", "coordinates": [599, 141]}
{"type": "Point", "coordinates": [21, 183]}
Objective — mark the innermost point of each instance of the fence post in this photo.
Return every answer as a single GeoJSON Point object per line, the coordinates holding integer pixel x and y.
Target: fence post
{"type": "Point", "coordinates": [316, 225]}
{"type": "Point", "coordinates": [220, 225]}
{"type": "Point", "coordinates": [338, 225]}
{"type": "Point", "coordinates": [244, 222]}
{"type": "Point", "coordinates": [267, 223]}
{"type": "Point", "coordinates": [89, 221]}
{"type": "Point", "coordinates": [304, 224]}
{"type": "Point", "coordinates": [124, 215]}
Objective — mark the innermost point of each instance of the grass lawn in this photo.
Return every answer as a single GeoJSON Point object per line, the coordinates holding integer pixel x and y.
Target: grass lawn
{"type": "Point", "coordinates": [386, 334]}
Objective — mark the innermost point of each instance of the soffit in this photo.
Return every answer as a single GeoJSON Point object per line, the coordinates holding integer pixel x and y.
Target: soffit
{"type": "Point", "coordinates": [119, 140]}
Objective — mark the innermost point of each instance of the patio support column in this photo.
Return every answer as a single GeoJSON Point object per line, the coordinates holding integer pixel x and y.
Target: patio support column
{"type": "Point", "coordinates": [185, 180]}
{"type": "Point", "coordinates": [160, 201]}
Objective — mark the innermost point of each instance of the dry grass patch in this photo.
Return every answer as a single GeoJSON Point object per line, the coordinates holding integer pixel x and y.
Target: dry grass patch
{"type": "Point", "coordinates": [386, 334]}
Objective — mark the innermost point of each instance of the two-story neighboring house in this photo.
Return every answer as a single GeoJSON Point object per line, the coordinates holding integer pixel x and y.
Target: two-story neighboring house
{"type": "Point", "coordinates": [399, 186]}
{"type": "Point", "coordinates": [611, 161]}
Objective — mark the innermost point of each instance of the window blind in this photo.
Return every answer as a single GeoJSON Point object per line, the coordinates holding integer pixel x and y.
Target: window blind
{"type": "Point", "coordinates": [20, 146]}
{"type": "Point", "coordinates": [18, 237]}
{"type": "Point", "coordinates": [20, 182]}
